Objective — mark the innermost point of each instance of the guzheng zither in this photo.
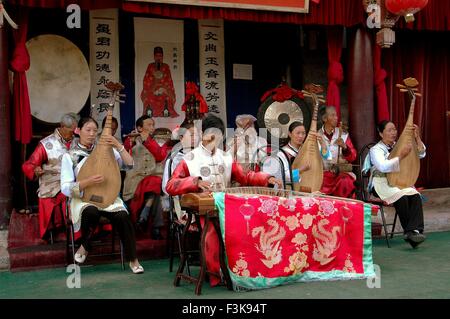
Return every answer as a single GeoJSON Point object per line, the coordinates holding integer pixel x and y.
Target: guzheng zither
{"type": "Point", "coordinates": [272, 237]}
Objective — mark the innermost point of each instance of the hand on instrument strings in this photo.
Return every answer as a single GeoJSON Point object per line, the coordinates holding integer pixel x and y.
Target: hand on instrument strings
{"type": "Point", "coordinates": [110, 140]}
{"type": "Point", "coordinates": [93, 180]}
{"type": "Point", "coordinates": [203, 185]}
{"type": "Point", "coordinates": [275, 181]}
{"type": "Point", "coordinates": [320, 140]}
{"type": "Point", "coordinates": [316, 135]}
{"type": "Point", "coordinates": [38, 171]}
{"type": "Point", "coordinates": [405, 151]}
{"type": "Point", "coordinates": [96, 179]}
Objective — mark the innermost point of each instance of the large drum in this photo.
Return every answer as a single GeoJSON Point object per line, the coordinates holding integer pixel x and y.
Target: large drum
{"type": "Point", "coordinates": [59, 78]}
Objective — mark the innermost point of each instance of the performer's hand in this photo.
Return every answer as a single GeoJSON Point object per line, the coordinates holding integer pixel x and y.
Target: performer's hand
{"type": "Point", "coordinates": [419, 142]}
{"type": "Point", "coordinates": [405, 151]}
{"type": "Point", "coordinates": [319, 139]}
{"type": "Point", "coordinates": [95, 179]}
{"type": "Point", "coordinates": [341, 143]}
{"type": "Point", "coordinates": [204, 186]}
{"type": "Point", "coordinates": [316, 135]}
{"type": "Point", "coordinates": [110, 140]}
{"type": "Point", "coordinates": [38, 171]}
{"type": "Point", "coordinates": [275, 181]}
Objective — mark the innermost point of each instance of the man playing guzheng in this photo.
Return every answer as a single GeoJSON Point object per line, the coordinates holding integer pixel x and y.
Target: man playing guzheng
{"type": "Point", "coordinates": [209, 168]}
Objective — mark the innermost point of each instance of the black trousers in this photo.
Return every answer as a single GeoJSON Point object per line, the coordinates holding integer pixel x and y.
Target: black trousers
{"type": "Point", "coordinates": [121, 221]}
{"type": "Point", "coordinates": [410, 212]}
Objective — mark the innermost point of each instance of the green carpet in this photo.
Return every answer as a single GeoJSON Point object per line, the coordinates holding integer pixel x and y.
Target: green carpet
{"type": "Point", "coordinates": [405, 273]}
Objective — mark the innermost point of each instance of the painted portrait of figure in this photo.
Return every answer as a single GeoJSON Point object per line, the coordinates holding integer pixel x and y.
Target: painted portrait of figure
{"type": "Point", "coordinates": [158, 93]}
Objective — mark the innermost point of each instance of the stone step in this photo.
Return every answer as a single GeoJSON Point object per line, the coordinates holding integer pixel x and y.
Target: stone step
{"type": "Point", "coordinates": [437, 198]}
{"type": "Point", "coordinates": [4, 238]}
{"type": "Point", "coordinates": [4, 255]}
{"type": "Point", "coordinates": [4, 258]}
{"type": "Point", "coordinates": [48, 256]}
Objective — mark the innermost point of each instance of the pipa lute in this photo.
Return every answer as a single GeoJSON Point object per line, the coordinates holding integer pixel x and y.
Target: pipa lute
{"type": "Point", "coordinates": [102, 162]}
{"type": "Point", "coordinates": [409, 165]}
{"type": "Point", "coordinates": [309, 154]}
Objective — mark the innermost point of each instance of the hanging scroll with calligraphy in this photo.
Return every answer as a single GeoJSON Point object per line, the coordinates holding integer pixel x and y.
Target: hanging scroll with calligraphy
{"type": "Point", "coordinates": [212, 66]}
{"type": "Point", "coordinates": [159, 70]}
{"type": "Point", "coordinates": [104, 61]}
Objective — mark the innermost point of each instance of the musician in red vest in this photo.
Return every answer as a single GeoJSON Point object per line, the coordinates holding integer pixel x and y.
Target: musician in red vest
{"type": "Point", "coordinates": [208, 168]}
{"type": "Point", "coordinates": [45, 164]}
{"type": "Point", "coordinates": [338, 179]}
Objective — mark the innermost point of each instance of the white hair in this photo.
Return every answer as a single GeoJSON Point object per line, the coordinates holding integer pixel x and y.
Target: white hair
{"type": "Point", "coordinates": [325, 112]}
{"type": "Point", "coordinates": [69, 120]}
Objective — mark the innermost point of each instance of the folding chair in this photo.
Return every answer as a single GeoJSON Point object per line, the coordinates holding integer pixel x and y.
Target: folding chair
{"type": "Point", "coordinates": [364, 195]}
{"type": "Point", "coordinates": [71, 244]}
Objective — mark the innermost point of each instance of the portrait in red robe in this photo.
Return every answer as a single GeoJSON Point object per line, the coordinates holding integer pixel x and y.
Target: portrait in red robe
{"type": "Point", "coordinates": [158, 93]}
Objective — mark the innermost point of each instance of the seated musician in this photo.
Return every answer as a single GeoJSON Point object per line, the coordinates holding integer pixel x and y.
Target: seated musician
{"type": "Point", "coordinates": [407, 201]}
{"type": "Point", "coordinates": [189, 138]}
{"type": "Point", "coordinates": [246, 146]}
{"type": "Point", "coordinates": [209, 168]}
{"type": "Point", "coordinates": [147, 186]}
{"type": "Point", "coordinates": [86, 216]}
{"type": "Point", "coordinates": [288, 153]}
{"type": "Point", "coordinates": [338, 180]}
{"type": "Point", "coordinates": [45, 164]}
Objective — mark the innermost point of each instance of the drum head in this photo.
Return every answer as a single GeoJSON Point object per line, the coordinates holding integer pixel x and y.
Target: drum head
{"type": "Point", "coordinates": [277, 116]}
{"type": "Point", "coordinates": [59, 78]}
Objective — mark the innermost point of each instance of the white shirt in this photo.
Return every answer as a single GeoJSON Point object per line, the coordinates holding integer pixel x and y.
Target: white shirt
{"type": "Point", "coordinates": [69, 174]}
{"type": "Point", "coordinates": [379, 154]}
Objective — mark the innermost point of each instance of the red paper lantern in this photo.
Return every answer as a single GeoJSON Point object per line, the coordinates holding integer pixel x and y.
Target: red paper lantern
{"type": "Point", "coordinates": [405, 8]}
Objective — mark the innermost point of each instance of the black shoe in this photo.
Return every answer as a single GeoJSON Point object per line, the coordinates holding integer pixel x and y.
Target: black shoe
{"type": "Point", "coordinates": [414, 238]}
{"type": "Point", "coordinates": [156, 234]}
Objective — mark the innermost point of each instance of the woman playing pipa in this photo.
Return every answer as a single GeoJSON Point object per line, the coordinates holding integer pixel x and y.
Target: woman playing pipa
{"type": "Point", "coordinates": [390, 156]}
{"type": "Point", "coordinates": [89, 188]}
